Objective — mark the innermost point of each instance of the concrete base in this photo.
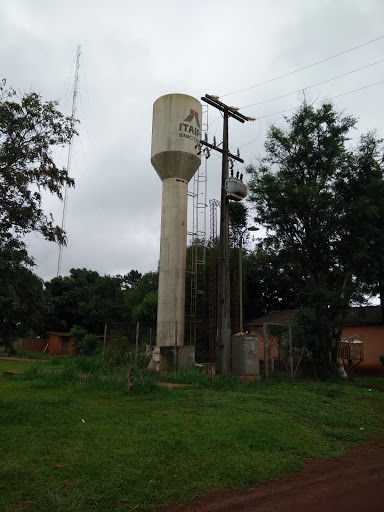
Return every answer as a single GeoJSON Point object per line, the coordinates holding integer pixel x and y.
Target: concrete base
{"type": "Point", "coordinates": [167, 358]}
{"type": "Point", "coordinates": [208, 368]}
{"type": "Point", "coordinates": [250, 378]}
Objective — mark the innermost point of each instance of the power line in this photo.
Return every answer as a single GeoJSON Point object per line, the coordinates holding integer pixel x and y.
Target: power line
{"type": "Point", "coordinates": [332, 98]}
{"type": "Point", "coordinates": [302, 69]}
{"type": "Point", "coordinates": [314, 85]}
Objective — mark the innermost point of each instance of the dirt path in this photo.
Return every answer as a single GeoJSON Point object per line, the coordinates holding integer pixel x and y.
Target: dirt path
{"type": "Point", "coordinates": [353, 483]}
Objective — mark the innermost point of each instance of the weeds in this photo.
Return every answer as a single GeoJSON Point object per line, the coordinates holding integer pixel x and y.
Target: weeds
{"type": "Point", "coordinates": [93, 445]}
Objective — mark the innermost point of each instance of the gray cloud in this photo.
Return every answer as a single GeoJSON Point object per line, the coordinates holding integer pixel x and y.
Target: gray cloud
{"type": "Point", "coordinates": [132, 53]}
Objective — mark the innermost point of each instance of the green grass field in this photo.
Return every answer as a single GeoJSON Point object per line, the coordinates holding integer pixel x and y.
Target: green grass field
{"type": "Point", "coordinates": [18, 366]}
{"type": "Point", "coordinates": [75, 440]}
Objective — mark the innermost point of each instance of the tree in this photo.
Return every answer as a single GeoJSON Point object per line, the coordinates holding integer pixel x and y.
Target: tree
{"type": "Point", "coordinates": [85, 298]}
{"type": "Point", "coordinates": [22, 300]}
{"type": "Point", "coordinates": [29, 131]}
{"type": "Point", "coordinates": [84, 343]}
{"type": "Point", "coordinates": [363, 188]}
{"type": "Point", "coordinates": [271, 283]}
{"type": "Point", "coordinates": [238, 220]}
{"type": "Point", "coordinates": [146, 311]}
{"type": "Point", "coordinates": [300, 192]}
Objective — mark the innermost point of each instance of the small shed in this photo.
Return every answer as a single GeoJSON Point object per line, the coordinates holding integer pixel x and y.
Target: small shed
{"type": "Point", "coordinates": [59, 343]}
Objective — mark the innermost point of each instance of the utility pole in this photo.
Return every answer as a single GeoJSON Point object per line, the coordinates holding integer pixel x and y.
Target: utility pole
{"type": "Point", "coordinates": [223, 306]}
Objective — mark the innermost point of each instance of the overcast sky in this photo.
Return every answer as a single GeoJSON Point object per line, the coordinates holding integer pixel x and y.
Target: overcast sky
{"type": "Point", "coordinates": [135, 51]}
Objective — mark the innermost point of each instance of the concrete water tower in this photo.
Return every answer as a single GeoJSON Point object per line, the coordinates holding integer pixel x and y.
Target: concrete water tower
{"type": "Point", "coordinates": [176, 131]}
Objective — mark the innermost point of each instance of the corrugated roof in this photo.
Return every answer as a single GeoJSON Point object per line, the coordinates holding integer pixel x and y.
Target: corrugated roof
{"type": "Point", "coordinates": [274, 317]}
{"type": "Point", "coordinates": [362, 315]}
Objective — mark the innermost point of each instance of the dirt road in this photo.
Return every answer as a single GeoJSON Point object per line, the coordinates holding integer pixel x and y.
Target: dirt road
{"type": "Point", "coordinates": [354, 483]}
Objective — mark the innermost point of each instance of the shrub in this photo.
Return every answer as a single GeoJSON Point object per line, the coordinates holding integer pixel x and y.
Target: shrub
{"type": "Point", "coordinates": [84, 343]}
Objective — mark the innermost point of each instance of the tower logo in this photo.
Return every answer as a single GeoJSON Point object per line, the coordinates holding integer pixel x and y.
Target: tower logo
{"type": "Point", "coordinates": [193, 115]}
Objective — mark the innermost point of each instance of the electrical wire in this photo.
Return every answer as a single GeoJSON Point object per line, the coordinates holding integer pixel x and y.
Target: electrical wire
{"type": "Point", "coordinates": [332, 98]}
{"type": "Point", "coordinates": [302, 69]}
{"type": "Point", "coordinates": [254, 140]}
{"type": "Point", "coordinates": [314, 85]}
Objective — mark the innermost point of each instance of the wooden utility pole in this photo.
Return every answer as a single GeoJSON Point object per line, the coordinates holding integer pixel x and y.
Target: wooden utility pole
{"type": "Point", "coordinates": [223, 305]}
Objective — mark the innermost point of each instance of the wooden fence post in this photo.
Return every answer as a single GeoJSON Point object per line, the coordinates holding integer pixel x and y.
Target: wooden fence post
{"type": "Point", "coordinates": [265, 350]}
{"type": "Point", "coordinates": [137, 343]}
{"type": "Point", "coordinates": [130, 378]}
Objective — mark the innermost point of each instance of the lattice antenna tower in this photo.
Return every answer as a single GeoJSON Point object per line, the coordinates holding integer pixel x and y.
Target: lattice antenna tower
{"type": "Point", "coordinates": [65, 202]}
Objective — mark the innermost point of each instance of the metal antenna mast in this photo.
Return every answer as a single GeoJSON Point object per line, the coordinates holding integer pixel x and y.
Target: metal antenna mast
{"type": "Point", "coordinates": [65, 204]}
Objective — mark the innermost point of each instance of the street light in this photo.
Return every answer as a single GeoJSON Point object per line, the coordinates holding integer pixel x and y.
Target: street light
{"type": "Point", "coordinates": [250, 228]}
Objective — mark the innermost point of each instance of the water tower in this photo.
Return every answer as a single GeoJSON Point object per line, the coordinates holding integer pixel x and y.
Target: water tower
{"type": "Point", "coordinates": [176, 131]}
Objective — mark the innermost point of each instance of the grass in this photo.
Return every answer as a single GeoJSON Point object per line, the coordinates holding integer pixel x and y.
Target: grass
{"type": "Point", "coordinates": [76, 440]}
{"type": "Point", "coordinates": [18, 366]}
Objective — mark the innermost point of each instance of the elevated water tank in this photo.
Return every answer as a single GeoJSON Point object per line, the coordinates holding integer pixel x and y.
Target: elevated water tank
{"type": "Point", "coordinates": [176, 133]}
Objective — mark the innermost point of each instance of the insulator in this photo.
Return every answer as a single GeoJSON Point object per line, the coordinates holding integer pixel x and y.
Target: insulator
{"type": "Point", "coordinates": [238, 153]}
{"type": "Point", "coordinates": [206, 137]}
{"type": "Point", "coordinates": [214, 140]}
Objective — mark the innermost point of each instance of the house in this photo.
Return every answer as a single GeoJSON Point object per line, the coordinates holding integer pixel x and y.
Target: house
{"type": "Point", "coordinates": [362, 323]}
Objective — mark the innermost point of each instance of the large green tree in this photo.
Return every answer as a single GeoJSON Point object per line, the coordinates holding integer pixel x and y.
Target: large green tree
{"type": "Point", "coordinates": [22, 300]}
{"type": "Point", "coordinates": [85, 298]}
{"type": "Point", "coordinates": [271, 283]}
{"type": "Point", "coordinates": [300, 192]}
{"type": "Point", "coordinates": [30, 129]}
{"type": "Point", "coordinates": [362, 186]}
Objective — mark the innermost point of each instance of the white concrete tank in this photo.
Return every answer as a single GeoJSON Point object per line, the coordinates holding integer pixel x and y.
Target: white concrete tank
{"type": "Point", "coordinates": [176, 130]}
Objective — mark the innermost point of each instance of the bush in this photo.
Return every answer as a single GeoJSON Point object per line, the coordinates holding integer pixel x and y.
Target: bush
{"type": "Point", "coordinates": [30, 354]}
{"type": "Point", "coordinates": [84, 343]}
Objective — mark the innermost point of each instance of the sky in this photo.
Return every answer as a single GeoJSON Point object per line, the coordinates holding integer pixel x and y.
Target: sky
{"type": "Point", "coordinates": [133, 52]}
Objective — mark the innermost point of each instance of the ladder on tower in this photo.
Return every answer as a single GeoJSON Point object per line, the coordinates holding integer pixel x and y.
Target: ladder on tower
{"type": "Point", "coordinates": [198, 239]}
